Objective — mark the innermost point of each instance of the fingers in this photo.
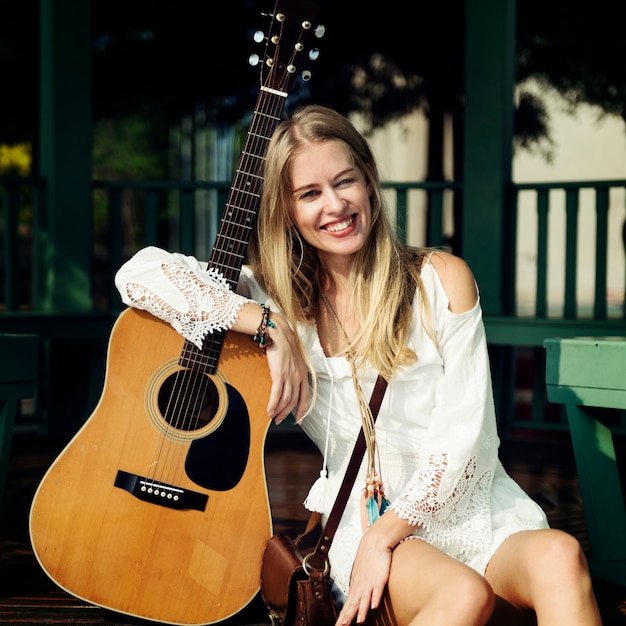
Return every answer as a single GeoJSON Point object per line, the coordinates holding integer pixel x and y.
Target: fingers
{"type": "Point", "coordinates": [287, 397]}
{"type": "Point", "coordinates": [370, 574]}
{"type": "Point", "coordinates": [353, 611]}
{"type": "Point", "coordinates": [290, 385]}
{"type": "Point", "coordinates": [282, 400]}
{"type": "Point", "coordinates": [304, 396]}
{"type": "Point", "coordinates": [356, 611]}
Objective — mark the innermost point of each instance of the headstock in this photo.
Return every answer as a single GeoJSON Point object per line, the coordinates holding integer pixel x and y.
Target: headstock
{"type": "Point", "coordinates": [287, 44]}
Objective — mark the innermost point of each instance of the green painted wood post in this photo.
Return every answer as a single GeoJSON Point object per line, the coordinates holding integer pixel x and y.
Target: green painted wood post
{"type": "Point", "coordinates": [602, 234]}
{"type": "Point", "coordinates": [488, 138]}
{"type": "Point", "coordinates": [62, 246]}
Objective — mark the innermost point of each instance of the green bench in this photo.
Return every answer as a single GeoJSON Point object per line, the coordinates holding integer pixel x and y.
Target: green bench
{"type": "Point", "coordinates": [72, 351]}
{"type": "Point", "coordinates": [588, 376]}
{"type": "Point", "coordinates": [18, 378]}
{"type": "Point", "coordinates": [511, 337]}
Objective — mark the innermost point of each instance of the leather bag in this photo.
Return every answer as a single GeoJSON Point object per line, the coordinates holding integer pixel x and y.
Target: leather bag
{"type": "Point", "coordinates": [295, 593]}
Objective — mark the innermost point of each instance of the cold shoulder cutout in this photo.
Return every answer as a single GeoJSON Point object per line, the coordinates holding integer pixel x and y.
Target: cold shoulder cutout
{"type": "Point", "coordinates": [457, 280]}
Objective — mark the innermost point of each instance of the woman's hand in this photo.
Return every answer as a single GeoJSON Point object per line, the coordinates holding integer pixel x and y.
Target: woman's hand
{"type": "Point", "coordinates": [372, 566]}
{"type": "Point", "coordinates": [370, 574]}
{"type": "Point", "coordinates": [290, 383]}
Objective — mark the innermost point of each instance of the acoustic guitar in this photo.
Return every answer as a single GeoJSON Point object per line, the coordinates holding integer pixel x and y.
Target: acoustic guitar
{"type": "Point", "coordinates": [158, 507]}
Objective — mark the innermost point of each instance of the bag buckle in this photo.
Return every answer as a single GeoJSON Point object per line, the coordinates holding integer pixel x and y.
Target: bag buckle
{"type": "Point", "coordinates": [308, 568]}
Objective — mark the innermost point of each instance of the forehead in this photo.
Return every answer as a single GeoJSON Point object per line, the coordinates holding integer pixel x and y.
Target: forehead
{"type": "Point", "coordinates": [320, 158]}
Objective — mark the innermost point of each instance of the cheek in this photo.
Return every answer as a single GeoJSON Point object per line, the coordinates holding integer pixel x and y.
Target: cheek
{"type": "Point", "coordinates": [303, 218]}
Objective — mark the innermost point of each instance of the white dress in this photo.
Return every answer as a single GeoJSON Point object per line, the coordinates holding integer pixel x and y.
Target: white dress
{"type": "Point", "coordinates": [436, 433]}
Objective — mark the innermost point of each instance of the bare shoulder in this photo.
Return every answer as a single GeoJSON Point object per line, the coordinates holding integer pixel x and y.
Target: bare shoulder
{"type": "Point", "coordinates": [457, 280]}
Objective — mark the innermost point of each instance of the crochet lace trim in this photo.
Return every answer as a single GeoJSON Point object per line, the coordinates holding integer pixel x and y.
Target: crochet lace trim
{"type": "Point", "coordinates": [210, 303]}
{"type": "Point", "coordinates": [464, 517]}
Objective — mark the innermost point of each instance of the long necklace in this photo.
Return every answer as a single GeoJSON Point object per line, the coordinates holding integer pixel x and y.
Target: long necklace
{"type": "Point", "coordinates": [374, 499]}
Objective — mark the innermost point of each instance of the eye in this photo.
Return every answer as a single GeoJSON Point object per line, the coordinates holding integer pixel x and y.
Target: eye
{"type": "Point", "coordinates": [308, 195]}
{"type": "Point", "coordinates": [345, 181]}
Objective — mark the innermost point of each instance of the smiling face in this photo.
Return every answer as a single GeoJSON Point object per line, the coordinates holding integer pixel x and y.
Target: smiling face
{"type": "Point", "coordinates": [330, 201]}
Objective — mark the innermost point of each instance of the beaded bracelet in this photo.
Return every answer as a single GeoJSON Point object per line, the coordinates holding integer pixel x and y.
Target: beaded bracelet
{"type": "Point", "coordinates": [261, 337]}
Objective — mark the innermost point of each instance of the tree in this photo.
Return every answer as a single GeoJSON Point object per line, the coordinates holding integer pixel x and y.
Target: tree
{"type": "Point", "coordinates": [159, 61]}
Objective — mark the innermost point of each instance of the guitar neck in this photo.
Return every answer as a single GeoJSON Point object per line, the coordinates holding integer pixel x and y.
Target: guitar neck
{"type": "Point", "coordinates": [236, 225]}
{"type": "Point", "coordinates": [290, 29]}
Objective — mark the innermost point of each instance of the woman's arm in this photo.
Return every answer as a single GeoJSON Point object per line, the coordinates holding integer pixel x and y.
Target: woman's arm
{"type": "Point", "coordinates": [195, 302]}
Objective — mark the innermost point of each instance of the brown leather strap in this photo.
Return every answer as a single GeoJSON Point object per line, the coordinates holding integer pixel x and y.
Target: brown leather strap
{"type": "Point", "coordinates": [326, 538]}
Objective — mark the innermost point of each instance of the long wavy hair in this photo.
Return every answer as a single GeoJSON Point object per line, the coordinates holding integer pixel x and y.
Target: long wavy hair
{"type": "Point", "coordinates": [384, 272]}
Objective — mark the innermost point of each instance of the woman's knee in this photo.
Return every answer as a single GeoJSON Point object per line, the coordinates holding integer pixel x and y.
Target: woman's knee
{"type": "Point", "coordinates": [424, 580]}
{"type": "Point", "coordinates": [461, 596]}
{"type": "Point", "coordinates": [470, 594]}
{"type": "Point", "coordinates": [560, 554]}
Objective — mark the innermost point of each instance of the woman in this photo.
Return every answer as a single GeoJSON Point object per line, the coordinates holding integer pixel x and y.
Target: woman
{"type": "Point", "coordinates": [446, 535]}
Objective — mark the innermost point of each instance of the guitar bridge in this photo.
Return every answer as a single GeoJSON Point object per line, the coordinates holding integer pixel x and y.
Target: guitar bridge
{"type": "Point", "coordinates": [163, 494]}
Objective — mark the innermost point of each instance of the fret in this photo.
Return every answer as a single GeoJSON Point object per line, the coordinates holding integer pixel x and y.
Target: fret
{"type": "Point", "coordinates": [248, 218]}
{"type": "Point", "coordinates": [255, 195]}
{"type": "Point", "coordinates": [233, 240]}
{"type": "Point", "coordinates": [204, 360]}
{"type": "Point", "coordinates": [247, 212]}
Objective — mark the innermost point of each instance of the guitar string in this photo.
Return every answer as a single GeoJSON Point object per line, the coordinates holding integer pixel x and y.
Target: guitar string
{"type": "Point", "coordinates": [196, 387]}
{"type": "Point", "coordinates": [189, 394]}
{"type": "Point", "coordinates": [242, 202]}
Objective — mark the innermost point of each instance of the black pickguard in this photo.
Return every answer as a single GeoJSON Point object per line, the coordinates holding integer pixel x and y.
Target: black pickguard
{"type": "Point", "coordinates": [218, 460]}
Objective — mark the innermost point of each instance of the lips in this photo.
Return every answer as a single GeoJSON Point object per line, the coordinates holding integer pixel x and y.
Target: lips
{"type": "Point", "coordinates": [337, 227]}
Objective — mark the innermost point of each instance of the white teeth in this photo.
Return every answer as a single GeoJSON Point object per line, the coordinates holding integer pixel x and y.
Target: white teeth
{"type": "Point", "coordinates": [335, 228]}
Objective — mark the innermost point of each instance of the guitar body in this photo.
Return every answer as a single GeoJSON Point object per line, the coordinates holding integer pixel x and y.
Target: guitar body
{"type": "Point", "coordinates": [191, 565]}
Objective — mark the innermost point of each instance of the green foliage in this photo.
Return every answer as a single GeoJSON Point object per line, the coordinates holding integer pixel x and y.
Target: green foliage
{"type": "Point", "coordinates": [15, 160]}
{"type": "Point", "coordinates": [125, 149]}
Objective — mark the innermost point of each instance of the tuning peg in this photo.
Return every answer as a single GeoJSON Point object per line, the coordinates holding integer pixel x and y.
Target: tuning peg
{"type": "Point", "coordinates": [254, 59]}
{"type": "Point", "coordinates": [320, 31]}
{"type": "Point", "coordinates": [314, 54]}
{"type": "Point", "coordinates": [259, 36]}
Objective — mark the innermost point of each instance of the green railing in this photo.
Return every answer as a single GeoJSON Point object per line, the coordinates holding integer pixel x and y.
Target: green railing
{"type": "Point", "coordinates": [20, 202]}
{"type": "Point", "coordinates": [185, 216]}
{"type": "Point", "coordinates": [572, 198]}
{"type": "Point", "coordinates": [563, 295]}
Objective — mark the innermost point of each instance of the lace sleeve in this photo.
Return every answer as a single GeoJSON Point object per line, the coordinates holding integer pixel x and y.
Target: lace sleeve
{"type": "Point", "coordinates": [179, 290]}
{"type": "Point", "coordinates": [458, 452]}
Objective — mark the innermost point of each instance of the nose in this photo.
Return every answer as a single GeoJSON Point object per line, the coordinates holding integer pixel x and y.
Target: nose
{"type": "Point", "coordinates": [334, 200]}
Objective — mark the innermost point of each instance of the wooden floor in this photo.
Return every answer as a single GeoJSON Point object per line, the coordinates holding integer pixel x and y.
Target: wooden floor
{"type": "Point", "coordinates": [545, 469]}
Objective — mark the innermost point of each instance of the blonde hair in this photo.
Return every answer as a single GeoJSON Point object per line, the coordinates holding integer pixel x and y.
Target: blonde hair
{"type": "Point", "coordinates": [384, 273]}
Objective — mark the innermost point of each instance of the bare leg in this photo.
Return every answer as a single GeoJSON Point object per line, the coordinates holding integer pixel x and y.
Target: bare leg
{"type": "Point", "coordinates": [428, 587]}
{"type": "Point", "coordinates": [547, 571]}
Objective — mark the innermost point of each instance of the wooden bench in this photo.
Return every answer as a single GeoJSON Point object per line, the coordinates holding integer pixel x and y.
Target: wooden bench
{"type": "Point", "coordinates": [508, 338]}
{"type": "Point", "coordinates": [72, 353]}
{"type": "Point", "coordinates": [588, 376]}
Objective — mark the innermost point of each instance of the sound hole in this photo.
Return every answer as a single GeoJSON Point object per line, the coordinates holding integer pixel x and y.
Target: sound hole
{"type": "Point", "coordinates": [188, 400]}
